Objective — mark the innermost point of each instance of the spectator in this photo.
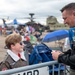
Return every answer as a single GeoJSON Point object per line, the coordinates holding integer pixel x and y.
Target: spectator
{"type": "Point", "coordinates": [15, 56]}
{"type": "Point", "coordinates": [68, 57]}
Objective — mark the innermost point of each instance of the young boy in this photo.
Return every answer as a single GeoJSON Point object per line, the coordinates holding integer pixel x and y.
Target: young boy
{"type": "Point", "coordinates": [15, 56]}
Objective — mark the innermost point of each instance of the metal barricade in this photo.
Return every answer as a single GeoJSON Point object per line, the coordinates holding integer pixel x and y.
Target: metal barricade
{"type": "Point", "coordinates": [30, 67]}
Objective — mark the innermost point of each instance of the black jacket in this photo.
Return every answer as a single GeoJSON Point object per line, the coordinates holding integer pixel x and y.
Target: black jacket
{"type": "Point", "coordinates": [68, 58]}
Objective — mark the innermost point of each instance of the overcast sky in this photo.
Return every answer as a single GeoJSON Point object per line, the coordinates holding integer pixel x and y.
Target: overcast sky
{"type": "Point", "coordinates": [41, 8]}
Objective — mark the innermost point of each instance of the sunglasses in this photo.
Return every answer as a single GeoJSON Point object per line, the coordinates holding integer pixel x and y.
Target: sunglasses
{"type": "Point", "coordinates": [21, 43]}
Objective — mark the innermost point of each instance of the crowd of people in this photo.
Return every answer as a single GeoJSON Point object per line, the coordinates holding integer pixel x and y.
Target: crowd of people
{"type": "Point", "coordinates": [26, 31]}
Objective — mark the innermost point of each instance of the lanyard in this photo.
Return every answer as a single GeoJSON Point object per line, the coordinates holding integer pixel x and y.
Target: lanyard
{"type": "Point", "coordinates": [72, 36]}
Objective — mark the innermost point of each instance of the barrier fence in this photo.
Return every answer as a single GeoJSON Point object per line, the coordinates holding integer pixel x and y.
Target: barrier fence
{"type": "Point", "coordinates": [22, 70]}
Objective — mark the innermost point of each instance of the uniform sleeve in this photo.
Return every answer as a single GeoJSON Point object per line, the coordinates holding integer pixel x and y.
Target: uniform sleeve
{"type": "Point", "coordinates": [4, 66]}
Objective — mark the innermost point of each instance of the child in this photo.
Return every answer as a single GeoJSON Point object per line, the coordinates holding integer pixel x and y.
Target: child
{"type": "Point", "coordinates": [15, 56]}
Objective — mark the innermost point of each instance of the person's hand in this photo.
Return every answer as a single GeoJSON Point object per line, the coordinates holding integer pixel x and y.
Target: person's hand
{"type": "Point", "coordinates": [55, 54]}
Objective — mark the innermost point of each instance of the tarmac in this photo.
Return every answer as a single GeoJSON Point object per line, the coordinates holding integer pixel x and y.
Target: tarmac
{"type": "Point", "coordinates": [2, 50]}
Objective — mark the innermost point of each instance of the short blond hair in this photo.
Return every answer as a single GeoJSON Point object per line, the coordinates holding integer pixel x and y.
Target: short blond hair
{"type": "Point", "coordinates": [12, 39]}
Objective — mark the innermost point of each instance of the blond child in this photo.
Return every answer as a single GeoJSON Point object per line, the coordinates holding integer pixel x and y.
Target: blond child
{"type": "Point", "coordinates": [15, 55]}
